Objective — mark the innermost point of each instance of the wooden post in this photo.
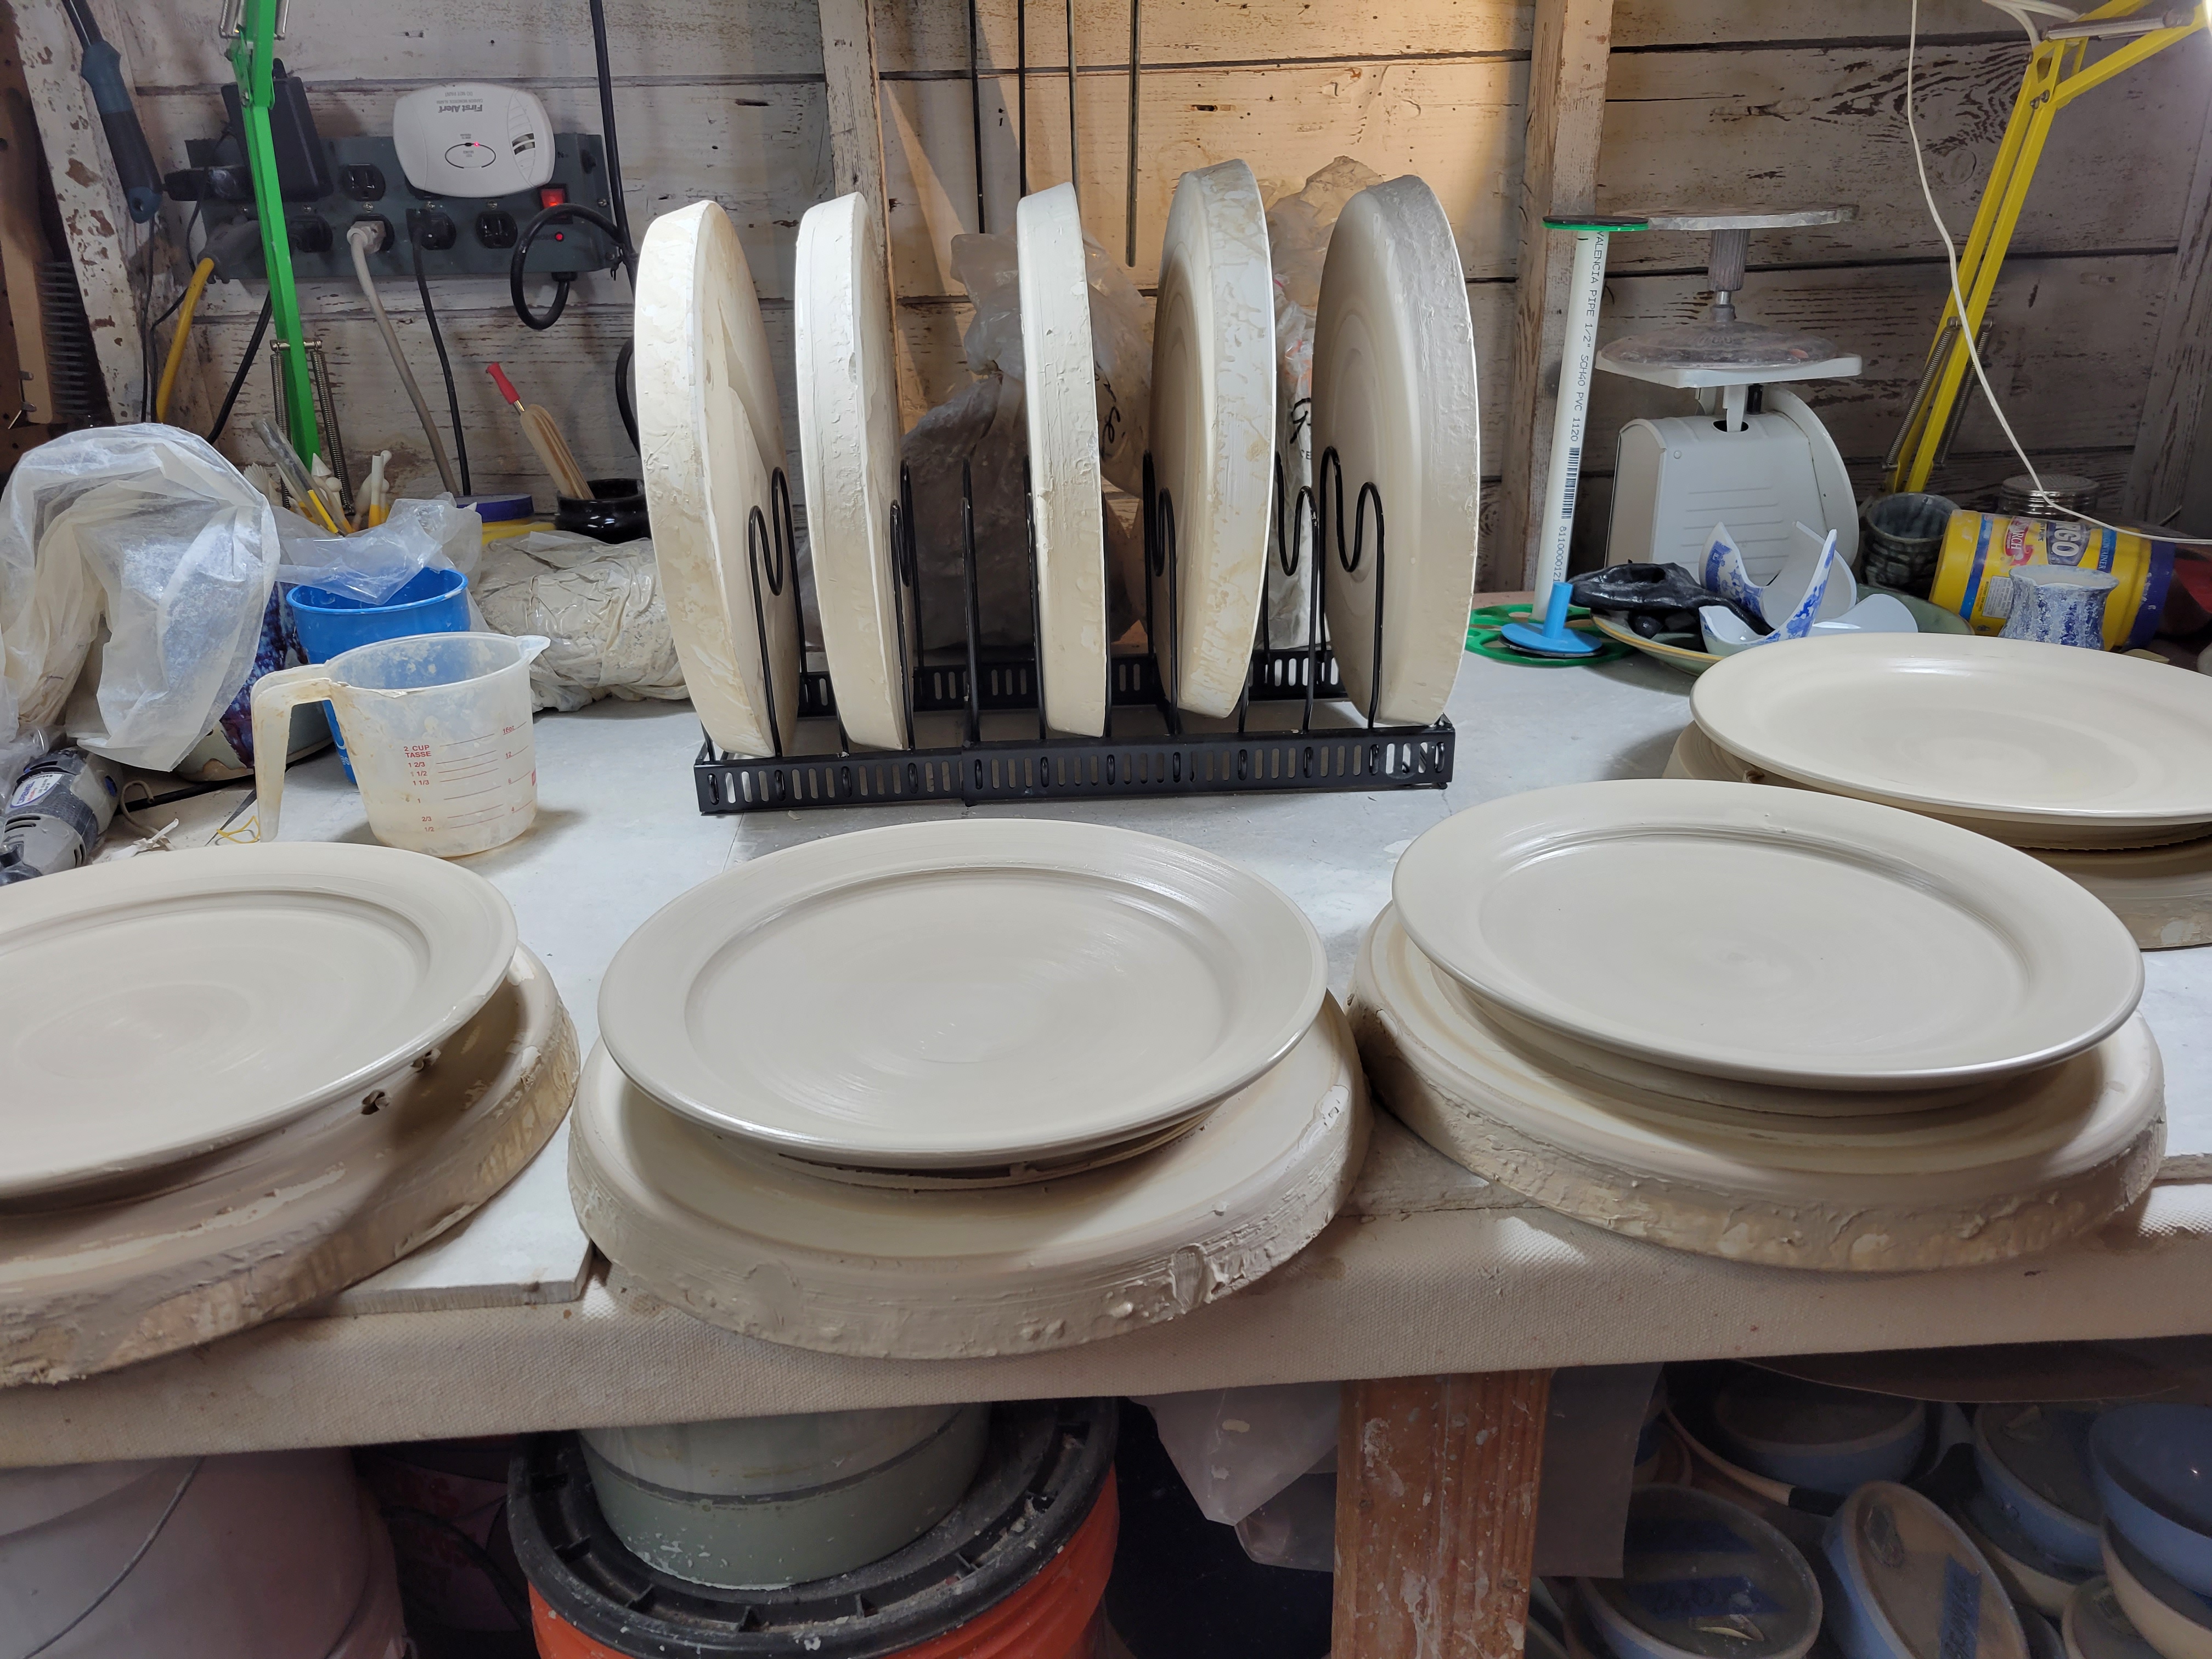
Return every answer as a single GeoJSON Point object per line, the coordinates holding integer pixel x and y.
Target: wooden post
{"type": "Point", "coordinates": [1558, 176]}
{"type": "Point", "coordinates": [94, 218]}
{"type": "Point", "coordinates": [1435, 1515]}
{"type": "Point", "coordinates": [856, 153]}
{"type": "Point", "coordinates": [2174, 403]}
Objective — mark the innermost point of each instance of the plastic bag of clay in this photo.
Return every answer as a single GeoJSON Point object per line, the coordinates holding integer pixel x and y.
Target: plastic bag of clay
{"type": "Point", "coordinates": [981, 426]}
{"type": "Point", "coordinates": [1298, 229]}
{"type": "Point", "coordinates": [1120, 342]}
{"type": "Point", "coordinates": [601, 606]}
{"type": "Point", "coordinates": [372, 565]}
{"type": "Point", "coordinates": [149, 527]}
{"type": "Point", "coordinates": [1238, 1447]}
{"type": "Point", "coordinates": [1296, 1528]}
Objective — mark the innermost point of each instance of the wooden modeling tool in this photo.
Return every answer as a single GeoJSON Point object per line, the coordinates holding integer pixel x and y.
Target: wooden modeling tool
{"type": "Point", "coordinates": [545, 438]}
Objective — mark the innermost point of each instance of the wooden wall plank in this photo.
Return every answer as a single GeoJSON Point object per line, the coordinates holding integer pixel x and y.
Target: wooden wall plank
{"type": "Point", "coordinates": [1694, 129]}
{"type": "Point", "coordinates": [1566, 118]}
{"type": "Point", "coordinates": [931, 36]}
{"type": "Point", "coordinates": [2166, 442]}
{"type": "Point", "coordinates": [401, 43]}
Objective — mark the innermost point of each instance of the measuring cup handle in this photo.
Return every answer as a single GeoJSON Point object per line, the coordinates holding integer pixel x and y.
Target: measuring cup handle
{"type": "Point", "coordinates": [274, 696]}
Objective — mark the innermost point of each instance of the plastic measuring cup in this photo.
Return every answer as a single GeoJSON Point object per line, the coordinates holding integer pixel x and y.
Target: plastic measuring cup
{"type": "Point", "coordinates": [438, 725]}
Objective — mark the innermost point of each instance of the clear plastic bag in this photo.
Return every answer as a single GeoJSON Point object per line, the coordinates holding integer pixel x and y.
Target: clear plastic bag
{"type": "Point", "coordinates": [601, 607]}
{"type": "Point", "coordinates": [151, 527]}
{"type": "Point", "coordinates": [1298, 229]}
{"type": "Point", "coordinates": [982, 425]}
{"type": "Point", "coordinates": [1238, 1447]}
{"type": "Point", "coordinates": [372, 565]}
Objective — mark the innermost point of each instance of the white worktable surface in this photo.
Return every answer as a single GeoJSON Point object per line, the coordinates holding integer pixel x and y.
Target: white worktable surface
{"type": "Point", "coordinates": [1430, 1270]}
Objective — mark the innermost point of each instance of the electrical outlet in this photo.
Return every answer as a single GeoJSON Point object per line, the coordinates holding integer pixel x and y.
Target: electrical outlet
{"type": "Point", "coordinates": [455, 238]}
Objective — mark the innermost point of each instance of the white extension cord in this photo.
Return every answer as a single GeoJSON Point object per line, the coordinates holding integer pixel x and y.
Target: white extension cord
{"type": "Point", "coordinates": [1959, 299]}
{"type": "Point", "coordinates": [360, 239]}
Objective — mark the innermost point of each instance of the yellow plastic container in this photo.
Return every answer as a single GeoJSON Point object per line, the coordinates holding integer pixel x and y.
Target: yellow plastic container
{"type": "Point", "coordinates": [1980, 547]}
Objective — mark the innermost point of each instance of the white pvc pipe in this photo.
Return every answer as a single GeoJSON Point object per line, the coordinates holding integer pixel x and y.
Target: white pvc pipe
{"type": "Point", "coordinates": [1577, 361]}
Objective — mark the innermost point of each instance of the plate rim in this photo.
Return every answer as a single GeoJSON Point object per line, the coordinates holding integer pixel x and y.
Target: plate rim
{"type": "Point", "coordinates": [1047, 232]}
{"type": "Point", "coordinates": [642, 1029]}
{"type": "Point", "coordinates": [1232, 301]}
{"type": "Point", "coordinates": [1966, 862]}
{"type": "Point", "coordinates": [1974, 650]}
{"type": "Point", "coordinates": [1392, 227]}
{"type": "Point", "coordinates": [297, 865]}
{"type": "Point", "coordinates": [837, 242]}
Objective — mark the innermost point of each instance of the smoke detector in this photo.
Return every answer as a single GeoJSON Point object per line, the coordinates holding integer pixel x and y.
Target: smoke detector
{"type": "Point", "coordinates": [472, 139]}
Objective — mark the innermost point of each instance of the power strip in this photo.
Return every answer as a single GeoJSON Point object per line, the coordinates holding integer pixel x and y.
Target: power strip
{"type": "Point", "coordinates": [458, 237]}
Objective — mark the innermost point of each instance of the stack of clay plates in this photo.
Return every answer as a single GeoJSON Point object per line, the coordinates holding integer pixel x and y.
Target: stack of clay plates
{"type": "Point", "coordinates": [710, 439]}
{"type": "Point", "coordinates": [976, 1087]}
{"type": "Point", "coordinates": [2098, 765]}
{"type": "Point", "coordinates": [1769, 1024]}
{"type": "Point", "coordinates": [237, 1079]}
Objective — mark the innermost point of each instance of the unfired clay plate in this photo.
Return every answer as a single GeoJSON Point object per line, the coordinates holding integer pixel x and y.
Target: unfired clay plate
{"type": "Point", "coordinates": [703, 410]}
{"type": "Point", "coordinates": [744, 1242]}
{"type": "Point", "coordinates": [963, 993]}
{"type": "Point", "coordinates": [848, 438]}
{"type": "Point", "coordinates": [1060, 402]}
{"type": "Point", "coordinates": [1974, 726]}
{"type": "Point", "coordinates": [1775, 935]}
{"type": "Point", "coordinates": [2162, 894]}
{"type": "Point", "coordinates": [1393, 393]}
{"type": "Point", "coordinates": [1213, 425]}
{"type": "Point", "coordinates": [2038, 1160]}
{"type": "Point", "coordinates": [165, 1005]}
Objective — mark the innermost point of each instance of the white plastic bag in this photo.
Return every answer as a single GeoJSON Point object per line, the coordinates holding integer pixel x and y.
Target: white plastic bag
{"type": "Point", "coordinates": [150, 526]}
{"type": "Point", "coordinates": [372, 565]}
{"type": "Point", "coordinates": [601, 607]}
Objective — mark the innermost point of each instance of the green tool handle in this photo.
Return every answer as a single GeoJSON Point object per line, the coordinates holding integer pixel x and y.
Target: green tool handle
{"type": "Point", "coordinates": [253, 59]}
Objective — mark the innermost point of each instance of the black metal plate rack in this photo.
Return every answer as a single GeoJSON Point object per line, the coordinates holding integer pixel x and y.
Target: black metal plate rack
{"type": "Point", "coordinates": [1361, 756]}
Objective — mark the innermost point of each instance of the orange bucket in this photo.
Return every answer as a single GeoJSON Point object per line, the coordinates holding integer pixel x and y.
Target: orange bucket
{"type": "Point", "coordinates": [1053, 1616]}
{"type": "Point", "coordinates": [1017, 1570]}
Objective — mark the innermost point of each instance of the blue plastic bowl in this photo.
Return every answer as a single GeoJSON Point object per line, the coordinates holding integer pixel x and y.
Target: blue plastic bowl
{"type": "Point", "coordinates": [2034, 1465]}
{"type": "Point", "coordinates": [329, 624]}
{"type": "Point", "coordinates": [2153, 1466]}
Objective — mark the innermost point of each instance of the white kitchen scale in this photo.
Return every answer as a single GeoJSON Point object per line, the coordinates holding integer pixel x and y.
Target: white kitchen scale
{"type": "Point", "coordinates": [1754, 456]}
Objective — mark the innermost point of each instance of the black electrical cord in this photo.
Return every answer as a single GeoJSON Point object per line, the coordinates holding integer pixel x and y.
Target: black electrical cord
{"type": "Point", "coordinates": [617, 229]}
{"type": "Point", "coordinates": [244, 363]}
{"type": "Point", "coordinates": [560, 213]}
{"type": "Point", "coordinates": [445, 365]}
{"type": "Point", "coordinates": [625, 403]}
{"type": "Point", "coordinates": [607, 127]}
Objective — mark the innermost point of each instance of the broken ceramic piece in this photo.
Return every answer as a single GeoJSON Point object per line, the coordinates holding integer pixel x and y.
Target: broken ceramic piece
{"type": "Point", "coordinates": [1878, 613]}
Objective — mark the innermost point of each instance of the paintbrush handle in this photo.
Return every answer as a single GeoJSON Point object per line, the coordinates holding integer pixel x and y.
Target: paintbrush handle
{"type": "Point", "coordinates": [563, 458]}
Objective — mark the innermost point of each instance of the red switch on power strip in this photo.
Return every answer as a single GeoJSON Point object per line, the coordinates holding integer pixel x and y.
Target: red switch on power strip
{"type": "Point", "coordinates": [552, 196]}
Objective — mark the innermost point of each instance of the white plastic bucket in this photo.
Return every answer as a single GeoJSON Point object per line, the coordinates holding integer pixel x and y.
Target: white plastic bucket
{"type": "Point", "coordinates": [438, 728]}
{"type": "Point", "coordinates": [270, 1556]}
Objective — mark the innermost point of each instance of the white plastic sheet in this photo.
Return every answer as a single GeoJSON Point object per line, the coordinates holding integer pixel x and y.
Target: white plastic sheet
{"type": "Point", "coordinates": [149, 527]}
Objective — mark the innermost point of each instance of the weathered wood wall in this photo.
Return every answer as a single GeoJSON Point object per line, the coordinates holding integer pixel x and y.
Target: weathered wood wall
{"type": "Point", "coordinates": [1724, 101]}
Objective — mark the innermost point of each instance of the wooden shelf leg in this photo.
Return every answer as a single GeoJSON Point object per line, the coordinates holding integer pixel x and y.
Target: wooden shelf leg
{"type": "Point", "coordinates": [1435, 1515]}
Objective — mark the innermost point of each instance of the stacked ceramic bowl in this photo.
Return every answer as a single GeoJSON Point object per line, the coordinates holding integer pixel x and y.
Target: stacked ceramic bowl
{"type": "Point", "coordinates": [344, 1046]}
{"type": "Point", "coordinates": [966, 1087]}
{"type": "Point", "coordinates": [1776, 1025]}
{"type": "Point", "coordinates": [2100, 765]}
{"type": "Point", "coordinates": [2151, 1468]}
